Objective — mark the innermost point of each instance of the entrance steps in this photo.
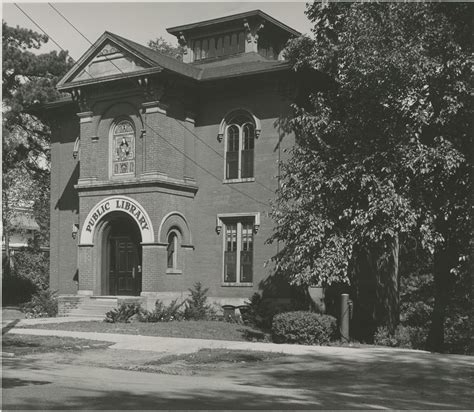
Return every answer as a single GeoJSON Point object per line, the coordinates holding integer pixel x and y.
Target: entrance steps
{"type": "Point", "coordinates": [80, 306]}
{"type": "Point", "coordinates": [86, 306]}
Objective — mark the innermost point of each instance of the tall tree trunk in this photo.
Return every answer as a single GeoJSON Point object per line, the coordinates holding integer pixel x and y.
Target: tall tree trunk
{"type": "Point", "coordinates": [6, 263]}
{"type": "Point", "coordinates": [387, 308]}
{"type": "Point", "coordinates": [442, 284]}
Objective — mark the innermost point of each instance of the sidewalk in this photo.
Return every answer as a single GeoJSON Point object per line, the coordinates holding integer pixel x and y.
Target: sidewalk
{"type": "Point", "coordinates": [169, 345]}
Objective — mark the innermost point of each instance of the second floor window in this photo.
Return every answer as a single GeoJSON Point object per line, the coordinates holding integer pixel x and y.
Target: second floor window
{"type": "Point", "coordinates": [240, 144]}
{"type": "Point", "coordinates": [123, 148]}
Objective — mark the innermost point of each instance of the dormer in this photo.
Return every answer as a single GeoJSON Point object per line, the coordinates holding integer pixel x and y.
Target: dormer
{"type": "Point", "coordinates": [253, 31]}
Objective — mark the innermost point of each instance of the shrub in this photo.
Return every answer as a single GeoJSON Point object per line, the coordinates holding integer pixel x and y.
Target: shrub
{"type": "Point", "coordinates": [260, 312]}
{"type": "Point", "coordinates": [163, 313]}
{"type": "Point", "coordinates": [43, 304]}
{"type": "Point", "coordinates": [27, 274]}
{"type": "Point", "coordinates": [196, 306]}
{"type": "Point", "coordinates": [304, 328]}
{"type": "Point", "coordinates": [123, 313]}
{"type": "Point", "coordinates": [412, 337]}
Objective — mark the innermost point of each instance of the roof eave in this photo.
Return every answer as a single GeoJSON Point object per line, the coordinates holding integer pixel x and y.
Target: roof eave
{"type": "Point", "coordinates": [186, 27]}
{"type": "Point", "coordinates": [120, 76]}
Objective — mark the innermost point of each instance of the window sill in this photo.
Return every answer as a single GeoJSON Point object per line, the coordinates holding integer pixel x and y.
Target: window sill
{"type": "Point", "coordinates": [235, 284]}
{"type": "Point", "coordinates": [174, 272]}
{"type": "Point", "coordinates": [240, 180]}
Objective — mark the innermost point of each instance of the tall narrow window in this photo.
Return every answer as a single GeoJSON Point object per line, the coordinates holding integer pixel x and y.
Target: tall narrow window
{"type": "Point", "coordinates": [240, 147]}
{"type": "Point", "coordinates": [172, 250]}
{"type": "Point", "coordinates": [123, 148]}
{"type": "Point", "coordinates": [232, 155]}
{"type": "Point", "coordinates": [238, 250]}
{"type": "Point", "coordinates": [230, 253]}
{"type": "Point", "coordinates": [246, 253]}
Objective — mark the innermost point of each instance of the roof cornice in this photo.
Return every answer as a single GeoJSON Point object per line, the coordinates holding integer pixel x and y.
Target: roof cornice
{"type": "Point", "coordinates": [187, 27]}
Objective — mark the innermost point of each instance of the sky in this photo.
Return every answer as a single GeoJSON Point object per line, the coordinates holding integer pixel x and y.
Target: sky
{"type": "Point", "coordinates": [139, 22]}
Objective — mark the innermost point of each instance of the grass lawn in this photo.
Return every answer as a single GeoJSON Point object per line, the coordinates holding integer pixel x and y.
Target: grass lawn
{"type": "Point", "coordinates": [185, 329]}
{"type": "Point", "coordinates": [27, 345]}
{"type": "Point", "coordinates": [209, 356]}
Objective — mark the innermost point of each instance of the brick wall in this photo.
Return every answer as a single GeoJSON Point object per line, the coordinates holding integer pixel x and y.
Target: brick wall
{"type": "Point", "coordinates": [202, 260]}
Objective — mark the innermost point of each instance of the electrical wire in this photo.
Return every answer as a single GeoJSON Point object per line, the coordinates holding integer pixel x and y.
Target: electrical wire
{"type": "Point", "coordinates": [118, 68]}
{"type": "Point", "coordinates": [155, 131]}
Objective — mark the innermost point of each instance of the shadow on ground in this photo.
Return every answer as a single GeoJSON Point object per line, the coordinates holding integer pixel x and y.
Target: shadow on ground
{"type": "Point", "coordinates": [357, 380]}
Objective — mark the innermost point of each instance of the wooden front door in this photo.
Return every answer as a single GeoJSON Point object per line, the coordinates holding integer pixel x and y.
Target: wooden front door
{"type": "Point", "coordinates": [124, 276]}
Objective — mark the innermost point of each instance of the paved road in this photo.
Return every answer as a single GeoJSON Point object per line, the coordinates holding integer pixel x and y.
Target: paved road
{"type": "Point", "coordinates": [398, 380]}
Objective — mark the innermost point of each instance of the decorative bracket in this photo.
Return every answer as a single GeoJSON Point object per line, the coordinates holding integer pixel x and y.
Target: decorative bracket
{"type": "Point", "coordinates": [248, 31]}
{"type": "Point", "coordinates": [79, 96]}
{"type": "Point", "coordinates": [182, 40]}
{"type": "Point", "coordinates": [260, 27]}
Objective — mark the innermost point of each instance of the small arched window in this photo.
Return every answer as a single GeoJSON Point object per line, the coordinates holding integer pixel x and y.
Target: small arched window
{"type": "Point", "coordinates": [123, 148]}
{"type": "Point", "coordinates": [240, 145]}
{"type": "Point", "coordinates": [172, 250]}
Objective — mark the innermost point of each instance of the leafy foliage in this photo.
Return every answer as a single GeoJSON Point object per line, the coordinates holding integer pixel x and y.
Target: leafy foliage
{"type": "Point", "coordinates": [196, 306]}
{"type": "Point", "coordinates": [383, 156]}
{"type": "Point", "coordinates": [28, 80]}
{"type": "Point", "coordinates": [162, 46]}
{"type": "Point", "coordinates": [260, 312]}
{"type": "Point", "coordinates": [306, 328]}
{"type": "Point", "coordinates": [44, 303]}
{"type": "Point", "coordinates": [164, 313]}
{"type": "Point", "coordinates": [123, 313]}
{"type": "Point", "coordinates": [412, 337]}
{"type": "Point", "coordinates": [29, 274]}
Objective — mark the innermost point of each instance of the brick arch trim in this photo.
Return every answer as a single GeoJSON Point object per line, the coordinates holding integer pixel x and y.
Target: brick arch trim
{"type": "Point", "coordinates": [174, 220]}
{"type": "Point", "coordinates": [236, 112]}
{"type": "Point", "coordinates": [121, 110]}
{"type": "Point", "coordinates": [117, 203]}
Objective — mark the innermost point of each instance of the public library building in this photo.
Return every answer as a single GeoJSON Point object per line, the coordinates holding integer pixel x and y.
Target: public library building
{"type": "Point", "coordinates": [163, 170]}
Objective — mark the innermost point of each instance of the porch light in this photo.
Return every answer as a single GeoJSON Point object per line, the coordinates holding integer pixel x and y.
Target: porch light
{"type": "Point", "coordinates": [75, 229]}
{"type": "Point", "coordinates": [218, 226]}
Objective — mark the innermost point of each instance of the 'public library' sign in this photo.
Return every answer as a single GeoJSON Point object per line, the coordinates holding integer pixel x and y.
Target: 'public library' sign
{"type": "Point", "coordinates": [117, 204]}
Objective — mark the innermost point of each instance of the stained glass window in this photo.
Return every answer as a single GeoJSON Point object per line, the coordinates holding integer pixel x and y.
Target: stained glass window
{"type": "Point", "coordinates": [123, 148]}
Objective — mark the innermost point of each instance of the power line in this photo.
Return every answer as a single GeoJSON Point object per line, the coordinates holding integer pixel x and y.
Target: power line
{"type": "Point", "coordinates": [190, 131]}
{"type": "Point", "coordinates": [157, 133]}
{"type": "Point", "coordinates": [39, 27]}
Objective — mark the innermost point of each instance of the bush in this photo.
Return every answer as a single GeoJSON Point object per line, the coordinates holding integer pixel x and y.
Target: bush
{"type": "Point", "coordinates": [260, 312]}
{"type": "Point", "coordinates": [43, 304]}
{"type": "Point", "coordinates": [412, 337]}
{"type": "Point", "coordinates": [304, 328]}
{"type": "Point", "coordinates": [196, 306]}
{"type": "Point", "coordinates": [27, 273]}
{"type": "Point", "coordinates": [124, 313]}
{"type": "Point", "coordinates": [163, 313]}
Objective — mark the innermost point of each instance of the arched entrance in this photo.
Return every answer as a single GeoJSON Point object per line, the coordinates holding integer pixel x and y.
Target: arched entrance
{"type": "Point", "coordinates": [113, 235]}
{"type": "Point", "coordinates": [120, 255]}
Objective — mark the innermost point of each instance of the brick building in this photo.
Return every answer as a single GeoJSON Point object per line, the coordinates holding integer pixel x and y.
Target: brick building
{"type": "Point", "coordinates": [162, 170]}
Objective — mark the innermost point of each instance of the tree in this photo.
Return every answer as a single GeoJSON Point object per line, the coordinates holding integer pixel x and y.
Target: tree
{"type": "Point", "coordinates": [384, 156]}
{"type": "Point", "coordinates": [28, 80]}
{"type": "Point", "coordinates": [162, 46]}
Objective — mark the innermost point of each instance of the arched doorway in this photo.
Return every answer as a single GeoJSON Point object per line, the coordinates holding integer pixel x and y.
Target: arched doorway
{"type": "Point", "coordinates": [120, 255]}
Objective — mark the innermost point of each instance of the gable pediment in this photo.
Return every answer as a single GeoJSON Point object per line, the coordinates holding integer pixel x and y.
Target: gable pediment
{"type": "Point", "coordinates": [103, 61]}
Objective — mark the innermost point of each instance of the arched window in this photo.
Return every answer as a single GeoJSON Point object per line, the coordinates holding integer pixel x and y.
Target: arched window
{"type": "Point", "coordinates": [240, 145]}
{"type": "Point", "coordinates": [172, 250]}
{"type": "Point", "coordinates": [123, 148]}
